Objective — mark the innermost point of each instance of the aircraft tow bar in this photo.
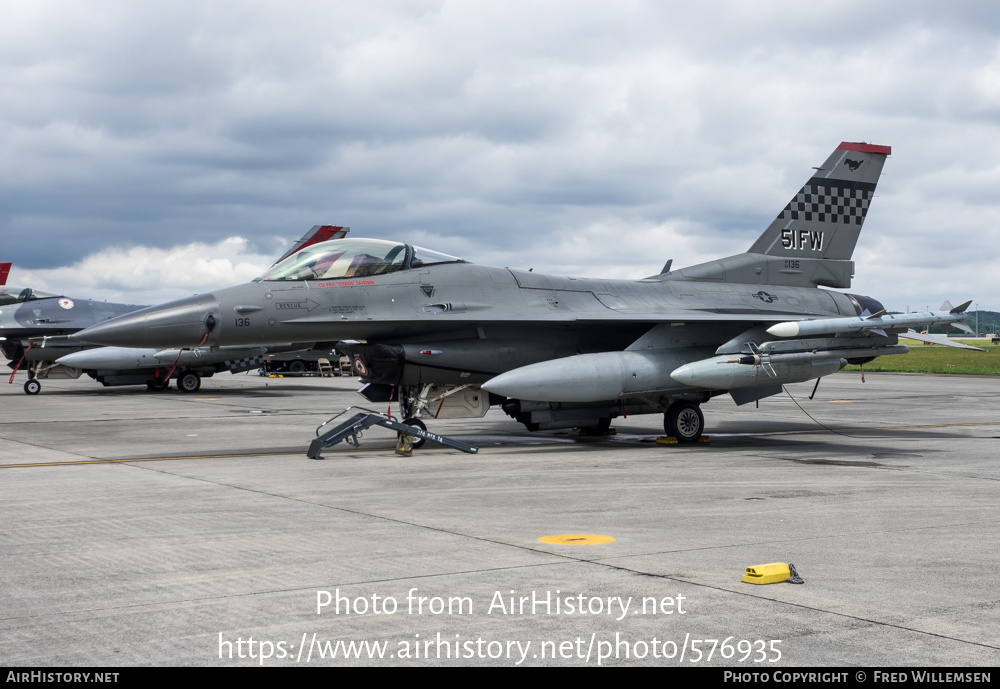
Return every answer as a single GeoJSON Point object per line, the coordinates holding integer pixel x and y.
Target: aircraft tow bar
{"type": "Point", "coordinates": [363, 420]}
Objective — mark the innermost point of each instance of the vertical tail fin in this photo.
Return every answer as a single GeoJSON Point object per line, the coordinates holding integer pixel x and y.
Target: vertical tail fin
{"type": "Point", "coordinates": [824, 219]}
{"type": "Point", "coordinates": [4, 272]}
{"type": "Point", "coordinates": [812, 240]}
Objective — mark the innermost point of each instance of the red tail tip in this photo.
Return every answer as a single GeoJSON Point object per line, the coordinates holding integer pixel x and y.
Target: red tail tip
{"type": "Point", "coordinates": [862, 147]}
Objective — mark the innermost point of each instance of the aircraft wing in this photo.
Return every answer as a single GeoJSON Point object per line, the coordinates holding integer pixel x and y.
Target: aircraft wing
{"type": "Point", "coordinates": [694, 316]}
{"type": "Point", "coordinates": [937, 339]}
{"type": "Point", "coordinates": [631, 316]}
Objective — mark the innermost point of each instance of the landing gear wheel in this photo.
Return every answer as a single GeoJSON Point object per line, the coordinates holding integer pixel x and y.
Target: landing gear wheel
{"type": "Point", "coordinates": [602, 427]}
{"type": "Point", "coordinates": [32, 387]}
{"type": "Point", "coordinates": [684, 421]}
{"type": "Point", "coordinates": [155, 385]}
{"type": "Point", "coordinates": [189, 381]}
{"type": "Point", "coordinates": [417, 442]}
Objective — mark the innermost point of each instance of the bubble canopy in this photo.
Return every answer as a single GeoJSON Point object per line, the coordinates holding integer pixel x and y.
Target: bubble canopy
{"type": "Point", "coordinates": [347, 258]}
{"type": "Point", "coordinates": [18, 295]}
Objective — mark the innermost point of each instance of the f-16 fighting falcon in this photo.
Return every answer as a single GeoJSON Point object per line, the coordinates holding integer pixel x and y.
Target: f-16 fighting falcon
{"type": "Point", "coordinates": [27, 313]}
{"type": "Point", "coordinates": [448, 339]}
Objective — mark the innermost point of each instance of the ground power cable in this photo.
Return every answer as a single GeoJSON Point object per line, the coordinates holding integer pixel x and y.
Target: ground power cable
{"type": "Point", "coordinates": [204, 339]}
{"type": "Point", "coordinates": [832, 430]}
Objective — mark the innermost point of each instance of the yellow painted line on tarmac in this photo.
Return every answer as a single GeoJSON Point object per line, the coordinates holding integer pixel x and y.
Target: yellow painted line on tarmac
{"type": "Point", "coordinates": [129, 460]}
{"type": "Point", "coordinates": [577, 539]}
{"type": "Point", "coordinates": [887, 428]}
{"type": "Point", "coordinates": [878, 428]}
{"type": "Point", "coordinates": [932, 425]}
{"type": "Point", "coordinates": [383, 449]}
{"type": "Point", "coordinates": [206, 399]}
{"type": "Point", "coordinates": [840, 401]}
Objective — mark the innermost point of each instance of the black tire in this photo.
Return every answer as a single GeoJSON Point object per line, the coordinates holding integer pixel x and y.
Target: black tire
{"type": "Point", "coordinates": [32, 387]}
{"type": "Point", "coordinates": [154, 385]}
{"type": "Point", "coordinates": [297, 367]}
{"type": "Point", "coordinates": [684, 421]}
{"type": "Point", "coordinates": [417, 442]}
{"type": "Point", "coordinates": [189, 381]}
{"type": "Point", "coordinates": [601, 428]}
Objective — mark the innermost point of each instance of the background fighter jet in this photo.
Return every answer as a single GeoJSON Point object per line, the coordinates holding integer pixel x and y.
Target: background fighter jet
{"type": "Point", "coordinates": [33, 326]}
{"type": "Point", "coordinates": [26, 314]}
{"type": "Point", "coordinates": [448, 339]}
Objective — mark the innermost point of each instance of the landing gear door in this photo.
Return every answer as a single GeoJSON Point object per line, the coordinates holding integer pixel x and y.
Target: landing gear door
{"type": "Point", "coordinates": [447, 402]}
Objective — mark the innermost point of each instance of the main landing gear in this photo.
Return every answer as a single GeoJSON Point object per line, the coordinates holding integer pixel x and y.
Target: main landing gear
{"type": "Point", "coordinates": [157, 385]}
{"type": "Point", "coordinates": [684, 421]}
{"type": "Point", "coordinates": [189, 381]}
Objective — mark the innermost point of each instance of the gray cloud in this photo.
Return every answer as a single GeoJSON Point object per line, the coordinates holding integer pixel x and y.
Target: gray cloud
{"type": "Point", "coordinates": [515, 132]}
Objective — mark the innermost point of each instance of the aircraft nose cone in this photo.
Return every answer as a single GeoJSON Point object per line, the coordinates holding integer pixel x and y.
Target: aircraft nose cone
{"type": "Point", "coordinates": [181, 323]}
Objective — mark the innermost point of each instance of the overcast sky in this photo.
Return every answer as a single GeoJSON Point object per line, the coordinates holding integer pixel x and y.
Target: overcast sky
{"type": "Point", "coordinates": [153, 150]}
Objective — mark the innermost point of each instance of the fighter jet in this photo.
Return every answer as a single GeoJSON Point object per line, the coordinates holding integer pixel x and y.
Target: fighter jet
{"type": "Point", "coordinates": [27, 313]}
{"type": "Point", "coordinates": [447, 338]}
{"type": "Point", "coordinates": [34, 326]}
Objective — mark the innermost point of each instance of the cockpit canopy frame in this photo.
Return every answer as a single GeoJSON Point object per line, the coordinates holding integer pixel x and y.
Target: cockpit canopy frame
{"type": "Point", "coordinates": [18, 295]}
{"type": "Point", "coordinates": [353, 258]}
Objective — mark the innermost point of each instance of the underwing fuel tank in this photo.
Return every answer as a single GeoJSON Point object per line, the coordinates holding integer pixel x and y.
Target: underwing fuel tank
{"type": "Point", "coordinates": [132, 358]}
{"type": "Point", "coordinates": [725, 373]}
{"type": "Point", "coordinates": [592, 377]}
{"type": "Point", "coordinates": [206, 355]}
{"type": "Point", "coordinates": [111, 358]}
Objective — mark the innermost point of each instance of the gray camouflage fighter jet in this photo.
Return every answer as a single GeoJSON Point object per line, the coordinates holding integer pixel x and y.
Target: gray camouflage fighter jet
{"type": "Point", "coordinates": [446, 338]}
{"type": "Point", "coordinates": [34, 326]}
{"type": "Point", "coordinates": [26, 313]}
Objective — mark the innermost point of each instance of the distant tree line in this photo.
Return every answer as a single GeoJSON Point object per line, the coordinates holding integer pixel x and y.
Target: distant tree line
{"type": "Point", "coordinates": [989, 322]}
